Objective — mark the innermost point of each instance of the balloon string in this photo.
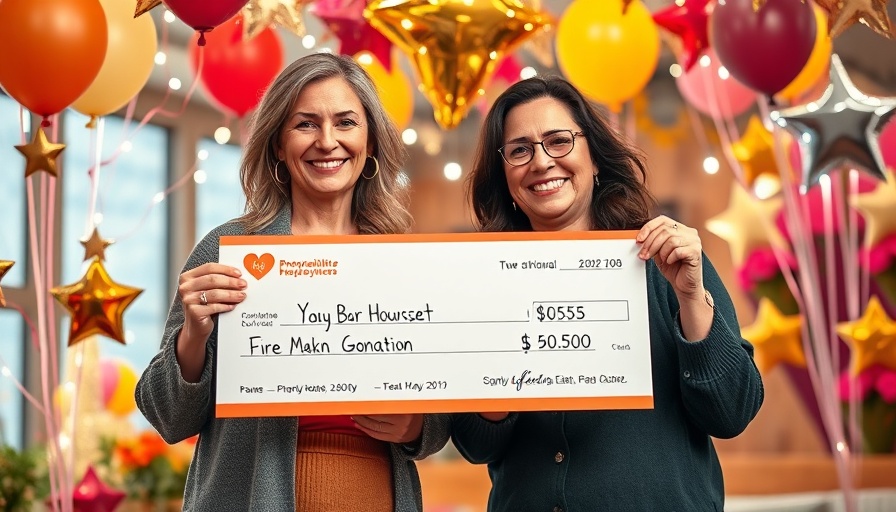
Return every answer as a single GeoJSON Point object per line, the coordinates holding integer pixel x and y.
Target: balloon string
{"type": "Point", "coordinates": [157, 200]}
{"type": "Point", "coordinates": [28, 396]}
{"type": "Point", "coordinates": [49, 259]}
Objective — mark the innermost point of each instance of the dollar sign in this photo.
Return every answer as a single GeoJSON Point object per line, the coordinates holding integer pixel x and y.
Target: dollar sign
{"type": "Point", "coordinates": [526, 344]}
{"type": "Point", "coordinates": [540, 312]}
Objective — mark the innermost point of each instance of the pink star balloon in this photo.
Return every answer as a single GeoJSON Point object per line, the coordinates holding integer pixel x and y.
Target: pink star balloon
{"type": "Point", "coordinates": [92, 495]}
{"type": "Point", "coordinates": [345, 19]}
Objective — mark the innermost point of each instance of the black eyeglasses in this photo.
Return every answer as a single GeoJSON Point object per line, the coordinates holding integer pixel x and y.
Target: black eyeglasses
{"type": "Point", "coordinates": [555, 145]}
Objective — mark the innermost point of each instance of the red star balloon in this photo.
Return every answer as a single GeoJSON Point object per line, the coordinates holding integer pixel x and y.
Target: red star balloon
{"type": "Point", "coordinates": [92, 495]}
{"type": "Point", "coordinates": [345, 19]}
{"type": "Point", "coordinates": [690, 22]}
{"type": "Point", "coordinates": [96, 304]}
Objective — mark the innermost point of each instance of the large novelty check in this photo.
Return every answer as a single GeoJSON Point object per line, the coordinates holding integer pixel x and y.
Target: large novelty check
{"type": "Point", "coordinates": [435, 323]}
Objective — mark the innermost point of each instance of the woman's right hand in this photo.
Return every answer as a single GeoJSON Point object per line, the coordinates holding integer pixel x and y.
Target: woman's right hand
{"type": "Point", "coordinates": [204, 291]}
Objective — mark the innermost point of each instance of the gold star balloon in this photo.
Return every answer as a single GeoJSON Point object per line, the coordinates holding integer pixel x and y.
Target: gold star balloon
{"type": "Point", "coordinates": [747, 224]}
{"type": "Point", "coordinates": [5, 265]}
{"type": "Point", "coordinates": [96, 304]}
{"type": "Point", "coordinates": [144, 6]}
{"type": "Point", "coordinates": [776, 338]}
{"type": "Point", "coordinates": [455, 45]}
{"type": "Point", "coordinates": [40, 154]}
{"type": "Point", "coordinates": [755, 151]}
{"type": "Point", "coordinates": [872, 338]}
{"type": "Point", "coordinates": [879, 210]}
{"type": "Point", "coordinates": [260, 14]}
{"type": "Point", "coordinates": [95, 245]}
{"type": "Point", "coordinates": [846, 13]}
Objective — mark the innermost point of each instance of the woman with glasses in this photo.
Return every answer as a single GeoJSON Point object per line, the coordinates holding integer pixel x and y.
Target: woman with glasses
{"type": "Point", "coordinates": [548, 161]}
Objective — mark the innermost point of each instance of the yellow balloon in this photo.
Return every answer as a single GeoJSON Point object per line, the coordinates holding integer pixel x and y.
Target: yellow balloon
{"type": "Point", "coordinates": [396, 91]}
{"type": "Point", "coordinates": [128, 63]}
{"type": "Point", "coordinates": [817, 65]}
{"type": "Point", "coordinates": [122, 401]}
{"type": "Point", "coordinates": [608, 55]}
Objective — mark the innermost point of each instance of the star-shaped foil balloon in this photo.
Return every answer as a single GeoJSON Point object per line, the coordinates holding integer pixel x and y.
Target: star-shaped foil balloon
{"type": "Point", "coordinates": [839, 129]}
{"type": "Point", "coordinates": [541, 45]}
{"type": "Point", "coordinates": [776, 338]}
{"type": "Point", "coordinates": [454, 44]}
{"type": "Point", "coordinates": [144, 6]}
{"type": "Point", "coordinates": [747, 224]}
{"type": "Point", "coordinates": [872, 338]}
{"type": "Point", "coordinates": [96, 304]}
{"type": "Point", "coordinates": [625, 4]}
{"type": "Point", "coordinates": [345, 19]}
{"type": "Point", "coordinates": [92, 495]}
{"type": "Point", "coordinates": [40, 154]}
{"type": "Point", "coordinates": [879, 211]}
{"type": "Point", "coordinates": [688, 20]}
{"type": "Point", "coordinates": [5, 265]}
{"type": "Point", "coordinates": [846, 13]}
{"type": "Point", "coordinates": [260, 14]}
{"type": "Point", "coordinates": [755, 151]}
{"type": "Point", "coordinates": [95, 245]}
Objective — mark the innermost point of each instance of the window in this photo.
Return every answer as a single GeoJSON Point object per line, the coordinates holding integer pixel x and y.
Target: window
{"type": "Point", "coordinates": [220, 197]}
{"type": "Point", "coordinates": [12, 366]}
{"type": "Point", "coordinates": [128, 211]}
{"type": "Point", "coordinates": [12, 194]}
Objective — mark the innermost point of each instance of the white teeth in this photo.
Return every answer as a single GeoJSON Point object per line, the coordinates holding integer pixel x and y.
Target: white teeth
{"type": "Point", "coordinates": [549, 185]}
{"type": "Point", "coordinates": [329, 164]}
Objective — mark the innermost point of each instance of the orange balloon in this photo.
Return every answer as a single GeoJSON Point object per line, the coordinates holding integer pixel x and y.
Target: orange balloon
{"type": "Point", "coordinates": [395, 89]}
{"type": "Point", "coordinates": [816, 67]}
{"type": "Point", "coordinates": [50, 51]}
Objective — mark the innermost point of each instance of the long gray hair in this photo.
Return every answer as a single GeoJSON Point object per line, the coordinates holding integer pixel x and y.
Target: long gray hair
{"type": "Point", "coordinates": [378, 204]}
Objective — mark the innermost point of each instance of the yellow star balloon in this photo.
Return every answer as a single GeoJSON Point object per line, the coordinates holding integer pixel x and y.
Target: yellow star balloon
{"type": "Point", "coordinates": [95, 245]}
{"type": "Point", "coordinates": [96, 304]}
{"type": "Point", "coordinates": [747, 224]}
{"type": "Point", "coordinates": [260, 14]}
{"type": "Point", "coordinates": [144, 6]}
{"type": "Point", "coordinates": [755, 151]}
{"type": "Point", "coordinates": [846, 13]}
{"type": "Point", "coordinates": [40, 154]}
{"type": "Point", "coordinates": [776, 338]}
{"type": "Point", "coordinates": [455, 45]}
{"type": "Point", "coordinates": [5, 265]}
{"type": "Point", "coordinates": [879, 210]}
{"type": "Point", "coordinates": [872, 338]}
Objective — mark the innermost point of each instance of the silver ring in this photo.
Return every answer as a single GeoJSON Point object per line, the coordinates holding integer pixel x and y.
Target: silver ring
{"type": "Point", "coordinates": [203, 299]}
{"type": "Point", "coordinates": [675, 226]}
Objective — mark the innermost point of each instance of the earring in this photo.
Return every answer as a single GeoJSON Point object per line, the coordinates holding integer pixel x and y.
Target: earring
{"type": "Point", "coordinates": [276, 173]}
{"type": "Point", "coordinates": [514, 205]}
{"type": "Point", "coordinates": [376, 166]}
{"type": "Point", "coordinates": [596, 181]}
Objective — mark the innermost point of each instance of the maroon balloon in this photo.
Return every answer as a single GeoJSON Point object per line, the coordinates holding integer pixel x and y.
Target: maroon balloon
{"type": "Point", "coordinates": [765, 50]}
{"type": "Point", "coordinates": [204, 15]}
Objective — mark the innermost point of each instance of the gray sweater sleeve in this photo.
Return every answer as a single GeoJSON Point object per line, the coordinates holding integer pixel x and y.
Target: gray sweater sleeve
{"type": "Point", "coordinates": [176, 408]}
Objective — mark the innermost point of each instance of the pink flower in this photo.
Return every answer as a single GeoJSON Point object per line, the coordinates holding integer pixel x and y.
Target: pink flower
{"type": "Point", "coordinates": [886, 385]}
{"type": "Point", "coordinates": [880, 257]}
{"type": "Point", "coordinates": [864, 383]}
{"type": "Point", "coordinates": [761, 265]}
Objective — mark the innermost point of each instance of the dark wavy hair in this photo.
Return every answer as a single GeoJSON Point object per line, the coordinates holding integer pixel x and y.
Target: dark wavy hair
{"type": "Point", "coordinates": [621, 201]}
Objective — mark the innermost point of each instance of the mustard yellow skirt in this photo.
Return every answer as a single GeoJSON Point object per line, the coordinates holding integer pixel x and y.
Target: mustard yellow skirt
{"type": "Point", "coordinates": [343, 472]}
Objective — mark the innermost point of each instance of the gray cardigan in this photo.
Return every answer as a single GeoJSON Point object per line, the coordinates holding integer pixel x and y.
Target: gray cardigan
{"type": "Point", "coordinates": [247, 464]}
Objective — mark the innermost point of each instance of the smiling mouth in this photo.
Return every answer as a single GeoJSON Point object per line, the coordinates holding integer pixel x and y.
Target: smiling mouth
{"type": "Point", "coordinates": [547, 186]}
{"type": "Point", "coordinates": [328, 164]}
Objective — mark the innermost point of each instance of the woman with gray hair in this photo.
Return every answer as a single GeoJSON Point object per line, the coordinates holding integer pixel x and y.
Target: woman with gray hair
{"type": "Point", "coordinates": [322, 159]}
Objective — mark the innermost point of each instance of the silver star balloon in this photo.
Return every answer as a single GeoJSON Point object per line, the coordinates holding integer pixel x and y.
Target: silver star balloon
{"type": "Point", "coordinates": [839, 129]}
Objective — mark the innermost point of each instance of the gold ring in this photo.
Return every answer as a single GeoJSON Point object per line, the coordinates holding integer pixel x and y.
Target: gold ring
{"type": "Point", "coordinates": [675, 226]}
{"type": "Point", "coordinates": [203, 299]}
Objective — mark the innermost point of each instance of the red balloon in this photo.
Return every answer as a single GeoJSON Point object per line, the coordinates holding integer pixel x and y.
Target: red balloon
{"type": "Point", "coordinates": [204, 15]}
{"type": "Point", "coordinates": [50, 51]}
{"type": "Point", "coordinates": [236, 72]}
{"type": "Point", "coordinates": [764, 50]}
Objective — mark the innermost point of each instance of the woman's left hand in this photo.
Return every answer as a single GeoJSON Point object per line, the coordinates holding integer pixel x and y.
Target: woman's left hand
{"type": "Point", "coordinates": [678, 254]}
{"type": "Point", "coordinates": [394, 428]}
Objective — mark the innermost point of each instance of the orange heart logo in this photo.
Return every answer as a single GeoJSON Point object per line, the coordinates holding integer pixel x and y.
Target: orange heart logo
{"type": "Point", "coordinates": [258, 266]}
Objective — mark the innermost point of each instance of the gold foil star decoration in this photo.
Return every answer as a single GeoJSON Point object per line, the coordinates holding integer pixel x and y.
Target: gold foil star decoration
{"type": "Point", "coordinates": [872, 338]}
{"type": "Point", "coordinates": [455, 45]}
{"type": "Point", "coordinates": [96, 304]}
{"type": "Point", "coordinates": [846, 13]}
{"type": "Point", "coordinates": [747, 224]}
{"type": "Point", "coordinates": [260, 14]}
{"type": "Point", "coordinates": [5, 265]}
{"type": "Point", "coordinates": [95, 245]}
{"type": "Point", "coordinates": [144, 6]}
{"type": "Point", "coordinates": [755, 151]}
{"type": "Point", "coordinates": [776, 338]}
{"type": "Point", "coordinates": [40, 154]}
{"type": "Point", "coordinates": [879, 210]}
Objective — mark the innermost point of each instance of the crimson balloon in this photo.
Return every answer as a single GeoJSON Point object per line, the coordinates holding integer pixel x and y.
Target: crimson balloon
{"type": "Point", "coordinates": [764, 50]}
{"type": "Point", "coordinates": [204, 15]}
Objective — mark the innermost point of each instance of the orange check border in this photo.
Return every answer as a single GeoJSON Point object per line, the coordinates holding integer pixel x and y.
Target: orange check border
{"type": "Point", "coordinates": [427, 237]}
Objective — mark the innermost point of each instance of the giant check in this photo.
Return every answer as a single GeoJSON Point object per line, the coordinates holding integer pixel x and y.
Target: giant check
{"type": "Point", "coordinates": [435, 323]}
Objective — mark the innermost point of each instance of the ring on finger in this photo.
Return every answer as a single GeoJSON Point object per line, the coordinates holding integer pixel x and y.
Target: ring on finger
{"type": "Point", "coordinates": [203, 299]}
{"type": "Point", "coordinates": [675, 226]}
